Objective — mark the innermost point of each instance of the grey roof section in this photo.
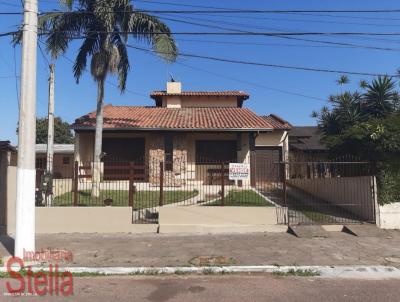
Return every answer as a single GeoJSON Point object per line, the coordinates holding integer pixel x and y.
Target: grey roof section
{"type": "Point", "coordinates": [306, 138]}
{"type": "Point", "coordinates": [58, 148]}
{"type": "Point", "coordinates": [6, 145]}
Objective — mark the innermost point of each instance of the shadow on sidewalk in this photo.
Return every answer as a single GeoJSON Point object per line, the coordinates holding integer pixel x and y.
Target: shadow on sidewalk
{"type": "Point", "coordinates": [7, 243]}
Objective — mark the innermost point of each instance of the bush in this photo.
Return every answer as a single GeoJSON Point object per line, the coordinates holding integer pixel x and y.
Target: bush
{"type": "Point", "coordinates": [388, 181]}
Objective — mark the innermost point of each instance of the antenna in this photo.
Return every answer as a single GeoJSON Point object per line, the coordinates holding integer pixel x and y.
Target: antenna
{"type": "Point", "coordinates": [172, 78]}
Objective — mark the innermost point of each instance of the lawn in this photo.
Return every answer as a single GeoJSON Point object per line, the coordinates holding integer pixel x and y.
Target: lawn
{"type": "Point", "coordinates": [317, 216]}
{"type": "Point", "coordinates": [242, 198]}
{"type": "Point", "coordinates": [142, 199]}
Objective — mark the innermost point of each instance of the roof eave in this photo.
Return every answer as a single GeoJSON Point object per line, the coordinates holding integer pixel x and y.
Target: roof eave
{"type": "Point", "coordinates": [80, 128]}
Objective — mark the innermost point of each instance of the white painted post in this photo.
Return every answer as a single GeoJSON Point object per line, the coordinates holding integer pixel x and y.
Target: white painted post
{"type": "Point", "coordinates": [50, 122]}
{"type": "Point", "coordinates": [25, 204]}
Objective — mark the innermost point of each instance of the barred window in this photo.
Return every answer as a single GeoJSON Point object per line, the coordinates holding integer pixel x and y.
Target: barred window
{"type": "Point", "coordinates": [212, 151]}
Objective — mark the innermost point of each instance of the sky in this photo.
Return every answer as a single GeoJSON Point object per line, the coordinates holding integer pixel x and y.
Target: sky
{"type": "Point", "coordinates": [291, 94]}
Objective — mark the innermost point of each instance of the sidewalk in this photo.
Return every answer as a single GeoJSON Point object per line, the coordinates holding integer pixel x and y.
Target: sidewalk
{"type": "Point", "coordinates": [98, 250]}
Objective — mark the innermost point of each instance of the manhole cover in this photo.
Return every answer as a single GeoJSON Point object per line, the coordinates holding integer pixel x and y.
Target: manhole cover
{"type": "Point", "coordinates": [212, 261]}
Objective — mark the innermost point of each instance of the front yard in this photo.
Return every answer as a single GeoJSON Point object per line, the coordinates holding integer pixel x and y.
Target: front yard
{"type": "Point", "coordinates": [141, 200]}
{"type": "Point", "coordinates": [242, 198]}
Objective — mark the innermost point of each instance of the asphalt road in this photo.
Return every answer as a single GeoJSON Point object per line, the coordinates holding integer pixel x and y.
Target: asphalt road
{"type": "Point", "coordinates": [229, 288]}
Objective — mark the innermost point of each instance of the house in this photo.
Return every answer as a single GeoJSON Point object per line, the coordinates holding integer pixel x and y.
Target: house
{"type": "Point", "coordinates": [189, 131]}
{"type": "Point", "coordinates": [305, 145]}
{"type": "Point", "coordinates": [8, 157]}
{"type": "Point", "coordinates": [63, 159]}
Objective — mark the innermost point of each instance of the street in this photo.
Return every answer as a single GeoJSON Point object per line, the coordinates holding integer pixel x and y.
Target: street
{"type": "Point", "coordinates": [229, 288]}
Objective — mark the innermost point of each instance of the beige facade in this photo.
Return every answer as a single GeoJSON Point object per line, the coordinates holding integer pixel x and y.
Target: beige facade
{"type": "Point", "coordinates": [198, 101]}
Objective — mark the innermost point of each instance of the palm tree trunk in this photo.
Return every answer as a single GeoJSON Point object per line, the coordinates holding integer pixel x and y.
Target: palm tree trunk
{"type": "Point", "coordinates": [96, 176]}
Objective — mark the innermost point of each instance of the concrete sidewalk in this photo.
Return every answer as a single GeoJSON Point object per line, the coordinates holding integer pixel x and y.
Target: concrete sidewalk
{"type": "Point", "coordinates": [159, 250]}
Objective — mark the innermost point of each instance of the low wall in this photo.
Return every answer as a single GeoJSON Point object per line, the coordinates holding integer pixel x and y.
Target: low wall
{"type": "Point", "coordinates": [204, 219]}
{"type": "Point", "coordinates": [389, 216]}
{"type": "Point", "coordinates": [88, 220]}
{"type": "Point", "coordinates": [353, 194]}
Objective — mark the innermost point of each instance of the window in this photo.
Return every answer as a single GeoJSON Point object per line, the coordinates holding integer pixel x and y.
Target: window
{"type": "Point", "coordinates": [169, 152]}
{"type": "Point", "coordinates": [66, 160]}
{"type": "Point", "coordinates": [41, 163]}
{"type": "Point", "coordinates": [215, 151]}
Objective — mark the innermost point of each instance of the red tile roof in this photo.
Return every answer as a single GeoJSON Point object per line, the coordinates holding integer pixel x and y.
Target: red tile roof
{"type": "Point", "coordinates": [277, 122]}
{"type": "Point", "coordinates": [153, 118]}
{"type": "Point", "coordinates": [235, 93]}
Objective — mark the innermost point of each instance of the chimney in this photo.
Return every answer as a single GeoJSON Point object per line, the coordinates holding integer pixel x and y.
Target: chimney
{"type": "Point", "coordinates": [174, 87]}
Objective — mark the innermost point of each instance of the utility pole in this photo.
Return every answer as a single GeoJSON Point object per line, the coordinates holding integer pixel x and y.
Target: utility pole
{"type": "Point", "coordinates": [50, 135]}
{"type": "Point", "coordinates": [50, 122]}
{"type": "Point", "coordinates": [26, 174]}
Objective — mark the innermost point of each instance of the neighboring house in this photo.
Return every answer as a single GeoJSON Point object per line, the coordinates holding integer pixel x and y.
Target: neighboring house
{"type": "Point", "coordinates": [63, 159]}
{"type": "Point", "coordinates": [8, 157]}
{"type": "Point", "coordinates": [8, 154]}
{"type": "Point", "coordinates": [188, 130]}
{"type": "Point", "coordinates": [306, 146]}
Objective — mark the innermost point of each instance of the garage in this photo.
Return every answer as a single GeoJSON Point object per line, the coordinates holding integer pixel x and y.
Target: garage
{"type": "Point", "coordinates": [265, 166]}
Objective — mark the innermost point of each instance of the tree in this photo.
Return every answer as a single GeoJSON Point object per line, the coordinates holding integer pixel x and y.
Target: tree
{"type": "Point", "coordinates": [104, 27]}
{"type": "Point", "coordinates": [344, 79]}
{"type": "Point", "coordinates": [367, 125]}
{"type": "Point", "coordinates": [381, 97]}
{"type": "Point", "coordinates": [62, 132]}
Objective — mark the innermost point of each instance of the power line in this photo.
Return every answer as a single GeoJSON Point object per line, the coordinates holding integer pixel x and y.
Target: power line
{"type": "Point", "coordinates": [251, 83]}
{"type": "Point", "coordinates": [282, 35]}
{"type": "Point", "coordinates": [343, 45]}
{"type": "Point", "coordinates": [255, 11]}
{"type": "Point", "coordinates": [108, 82]}
{"type": "Point", "coordinates": [279, 19]}
{"type": "Point", "coordinates": [236, 11]}
{"type": "Point", "coordinates": [263, 64]}
{"type": "Point", "coordinates": [235, 33]}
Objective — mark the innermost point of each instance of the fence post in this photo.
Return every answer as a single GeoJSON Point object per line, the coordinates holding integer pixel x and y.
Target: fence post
{"type": "Point", "coordinates": [76, 182]}
{"type": "Point", "coordinates": [284, 185]}
{"type": "Point", "coordinates": [131, 179]}
{"type": "Point", "coordinates": [161, 184]}
{"type": "Point", "coordinates": [222, 184]}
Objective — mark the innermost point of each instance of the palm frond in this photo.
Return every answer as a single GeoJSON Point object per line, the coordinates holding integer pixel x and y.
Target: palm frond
{"type": "Point", "coordinates": [151, 30]}
{"type": "Point", "coordinates": [88, 48]}
{"type": "Point", "coordinates": [124, 66]}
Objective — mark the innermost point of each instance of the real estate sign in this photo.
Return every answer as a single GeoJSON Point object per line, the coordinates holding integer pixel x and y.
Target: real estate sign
{"type": "Point", "coordinates": [239, 171]}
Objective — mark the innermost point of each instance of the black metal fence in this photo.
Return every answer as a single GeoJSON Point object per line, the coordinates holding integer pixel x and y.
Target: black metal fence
{"type": "Point", "coordinates": [302, 192]}
{"type": "Point", "coordinates": [146, 185]}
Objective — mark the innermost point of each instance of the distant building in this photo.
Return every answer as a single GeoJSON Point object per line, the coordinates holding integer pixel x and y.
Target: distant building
{"type": "Point", "coordinates": [305, 145]}
{"type": "Point", "coordinates": [63, 159]}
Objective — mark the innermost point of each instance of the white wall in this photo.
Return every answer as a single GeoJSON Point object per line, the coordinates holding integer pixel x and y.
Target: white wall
{"type": "Point", "coordinates": [389, 216]}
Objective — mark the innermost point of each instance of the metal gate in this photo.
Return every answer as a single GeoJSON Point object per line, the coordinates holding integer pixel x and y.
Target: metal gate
{"type": "Point", "coordinates": [329, 192]}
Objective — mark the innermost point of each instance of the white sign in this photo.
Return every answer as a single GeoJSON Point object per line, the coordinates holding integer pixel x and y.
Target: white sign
{"type": "Point", "coordinates": [239, 171]}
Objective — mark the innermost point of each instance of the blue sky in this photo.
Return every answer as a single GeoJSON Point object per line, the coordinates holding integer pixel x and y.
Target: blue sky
{"type": "Point", "coordinates": [150, 73]}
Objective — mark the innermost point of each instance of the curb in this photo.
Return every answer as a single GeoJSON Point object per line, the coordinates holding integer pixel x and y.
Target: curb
{"type": "Point", "coordinates": [333, 272]}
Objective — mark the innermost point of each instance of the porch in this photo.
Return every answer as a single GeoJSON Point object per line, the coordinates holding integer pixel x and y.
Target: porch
{"type": "Point", "coordinates": [187, 157]}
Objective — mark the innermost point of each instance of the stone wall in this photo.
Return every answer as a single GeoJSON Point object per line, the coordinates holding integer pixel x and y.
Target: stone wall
{"type": "Point", "coordinates": [177, 176]}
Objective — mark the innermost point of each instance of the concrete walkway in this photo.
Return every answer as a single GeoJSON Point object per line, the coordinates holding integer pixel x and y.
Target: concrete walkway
{"type": "Point", "coordinates": [129, 250]}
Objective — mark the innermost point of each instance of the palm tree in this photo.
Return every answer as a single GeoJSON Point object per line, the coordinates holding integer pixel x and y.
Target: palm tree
{"type": "Point", "coordinates": [381, 97]}
{"type": "Point", "coordinates": [104, 26]}
{"type": "Point", "coordinates": [344, 79]}
{"type": "Point", "coordinates": [363, 84]}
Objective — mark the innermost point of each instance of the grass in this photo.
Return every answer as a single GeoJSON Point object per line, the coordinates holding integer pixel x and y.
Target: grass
{"type": "Point", "coordinates": [297, 273]}
{"type": "Point", "coordinates": [317, 216]}
{"type": "Point", "coordinates": [142, 199]}
{"type": "Point", "coordinates": [242, 198]}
